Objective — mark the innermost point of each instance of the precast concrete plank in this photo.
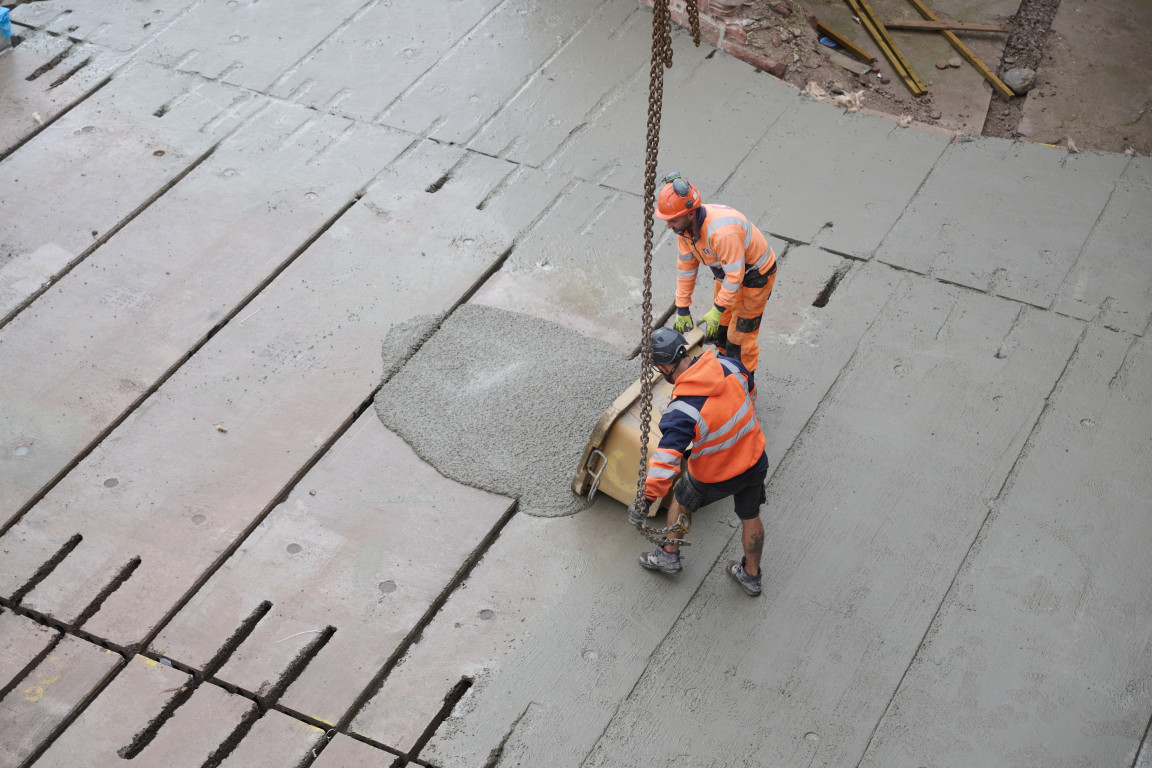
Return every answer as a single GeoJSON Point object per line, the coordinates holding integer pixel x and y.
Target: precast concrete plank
{"type": "Point", "coordinates": [125, 708]}
{"type": "Point", "coordinates": [352, 547]}
{"type": "Point", "coordinates": [22, 640]}
{"type": "Point", "coordinates": [247, 44]}
{"type": "Point", "coordinates": [557, 605]}
{"type": "Point", "coordinates": [611, 150]}
{"type": "Point", "coordinates": [797, 369]}
{"type": "Point", "coordinates": [131, 705]}
{"type": "Point", "coordinates": [483, 71]}
{"type": "Point", "coordinates": [258, 401]}
{"type": "Point", "coordinates": [1112, 279]}
{"type": "Point", "coordinates": [367, 64]}
{"type": "Point", "coordinates": [996, 216]}
{"type": "Point", "coordinates": [275, 741]}
{"type": "Point", "coordinates": [569, 90]}
{"type": "Point", "coordinates": [582, 267]}
{"type": "Point", "coordinates": [344, 752]}
{"type": "Point", "coordinates": [836, 179]}
{"type": "Point", "coordinates": [1040, 653]}
{"type": "Point", "coordinates": [49, 694]}
{"type": "Point", "coordinates": [869, 517]}
{"type": "Point", "coordinates": [44, 76]}
{"type": "Point", "coordinates": [100, 338]}
{"type": "Point", "coordinates": [89, 152]}
{"type": "Point", "coordinates": [122, 25]}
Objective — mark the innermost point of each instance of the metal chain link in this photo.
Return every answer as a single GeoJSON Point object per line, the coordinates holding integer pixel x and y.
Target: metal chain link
{"type": "Point", "coordinates": [661, 60]}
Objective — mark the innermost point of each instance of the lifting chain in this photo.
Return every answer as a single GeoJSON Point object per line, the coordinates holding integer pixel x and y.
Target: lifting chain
{"type": "Point", "coordinates": [661, 60]}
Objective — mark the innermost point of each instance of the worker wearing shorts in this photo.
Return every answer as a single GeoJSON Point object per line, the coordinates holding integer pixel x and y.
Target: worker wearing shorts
{"type": "Point", "coordinates": [710, 437]}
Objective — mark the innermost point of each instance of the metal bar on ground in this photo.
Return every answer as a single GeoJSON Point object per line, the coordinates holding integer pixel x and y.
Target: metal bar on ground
{"type": "Point", "coordinates": [888, 46]}
{"type": "Point", "coordinates": [962, 49]}
{"type": "Point", "coordinates": [852, 49]}
{"type": "Point", "coordinates": [955, 26]}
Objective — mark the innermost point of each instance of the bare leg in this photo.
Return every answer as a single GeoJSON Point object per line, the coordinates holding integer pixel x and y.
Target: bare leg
{"type": "Point", "coordinates": [675, 509]}
{"type": "Point", "coordinates": [753, 540]}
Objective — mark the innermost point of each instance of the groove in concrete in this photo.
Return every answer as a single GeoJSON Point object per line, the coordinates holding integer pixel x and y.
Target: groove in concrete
{"type": "Point", "coordinates": [145, 736]}
{"type": "Point", "coordinates": [44, 570]}
{"type": "Point", "coordinates": [176, 365]}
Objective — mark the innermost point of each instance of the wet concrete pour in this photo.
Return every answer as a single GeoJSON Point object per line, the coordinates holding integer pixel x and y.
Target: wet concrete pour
{"type": "Point", "coordinates": [215, 553]}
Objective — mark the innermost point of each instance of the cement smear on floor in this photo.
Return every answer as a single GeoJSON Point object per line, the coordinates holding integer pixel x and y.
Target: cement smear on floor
{"type": "Point", "coordinates": [451, 401]}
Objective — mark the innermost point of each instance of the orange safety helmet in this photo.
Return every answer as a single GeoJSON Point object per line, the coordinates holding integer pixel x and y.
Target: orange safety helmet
{"type": "Point", "coordinates": [677, 198]}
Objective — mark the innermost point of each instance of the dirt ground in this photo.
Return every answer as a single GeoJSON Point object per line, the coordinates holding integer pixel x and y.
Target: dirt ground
{"type": "Point", "coordinates": [1091, 65]}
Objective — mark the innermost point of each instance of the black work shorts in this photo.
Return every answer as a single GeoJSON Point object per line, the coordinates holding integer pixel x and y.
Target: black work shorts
{"type": "Point", "coordinates": [747, 490]}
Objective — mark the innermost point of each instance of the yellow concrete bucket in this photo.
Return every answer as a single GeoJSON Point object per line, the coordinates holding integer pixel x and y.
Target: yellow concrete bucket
{"type": "Point", "coordinates": [611, 460]}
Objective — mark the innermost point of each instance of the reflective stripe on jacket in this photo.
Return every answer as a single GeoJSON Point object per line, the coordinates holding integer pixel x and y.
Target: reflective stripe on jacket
{"type": "Point", "coordinates": [712, 411]}
{"type": "Point", "coordinates": [728, 244]}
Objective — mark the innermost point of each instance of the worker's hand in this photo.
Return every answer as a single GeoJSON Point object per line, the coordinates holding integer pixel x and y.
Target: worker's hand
{"type": "Point", "coordinates": [711, 322]}
{"type": "Point", "coordinates": [683, 323]}
{"type": "Point", "coordinates": [638, 512]}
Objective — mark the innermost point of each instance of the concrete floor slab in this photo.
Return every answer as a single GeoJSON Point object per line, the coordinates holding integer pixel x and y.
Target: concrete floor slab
{"type": "Point", "coordinates": [155, 290]}
{"type": "Point", "coordinates": [344, 752]}
{"type": "Point", "coordinates": [377, 548]}
{"type": "Point", "coordinates": [996, 216]}
{"type": "Point", "coordinates": [856, 560]}
{"type": "Point", "coordinates": [853, 176]}
{"type": "Point", "coordinates": [275, 741]}
{"type": "Point", "coordinates": [246, 44]}
{"type": "Point", "coordinates": [480, 73]}
{"type": "Point", "coordinates": [1111, 278]}
{"type": "Point", "coordinates": [556, 607]}
{"type": "Point", "coordinates": [42, 77]}
{"type": "Point", "coordinates": [131, 705]}
{"type": "Point", "coordinates": [23, 641]}
{"type": "Point", "coordinates": [582, 267]}
{"type": "Point", "coordinates": [308, 345]}
{"type": "Point", "coordinates": [122, 25]}
{"type": "Point", "coordinates": [1093, 87]}
{"type": "Point", "coordinates": [986, 688]}
{"type": "Point", "coordinates": [567, 93]}
{"type": "Point", "coordinates": [49, 694]}
{"type": "Point", "coordinates": [405, 39]}
{"type": "Point", "coordinates": [611, 150]}
{"type": "Point", "coordinates": [86, 152]}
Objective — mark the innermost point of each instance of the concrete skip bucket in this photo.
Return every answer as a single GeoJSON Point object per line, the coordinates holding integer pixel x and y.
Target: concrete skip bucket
{"type": "Point", "coordinates": [610, 462]}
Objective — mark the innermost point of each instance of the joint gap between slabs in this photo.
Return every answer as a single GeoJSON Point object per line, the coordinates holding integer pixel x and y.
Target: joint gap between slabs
{"type": "Point", "coordinates": [414, 634]}
{"type": "Point", "coordinates": [829, 288]}
{"type": "Point", "coordinates": [51, 64]}
{"type": "Point", "coordinates": [20, 676]}
{"type": "Point", "coordinates": [93, 607]}
{"type": "Point", "coordinates": [64, 77]}
{"type": "Point", "coordinates": [451, 699]}
{"type": "Point", "coordinates": [46, 569]}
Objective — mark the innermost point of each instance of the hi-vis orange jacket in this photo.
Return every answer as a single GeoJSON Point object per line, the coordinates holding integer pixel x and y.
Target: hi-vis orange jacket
{"type": "Point", "coordinates": [711, 410]}
{"type": "Point", "coordinates": [728, 244]}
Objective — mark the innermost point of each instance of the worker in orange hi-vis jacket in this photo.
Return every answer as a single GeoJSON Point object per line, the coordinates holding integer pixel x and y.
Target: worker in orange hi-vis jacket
{"type": "Point", "coordinates": [743, 264]}
{"type": "Point", "coordinates": [711, 439]}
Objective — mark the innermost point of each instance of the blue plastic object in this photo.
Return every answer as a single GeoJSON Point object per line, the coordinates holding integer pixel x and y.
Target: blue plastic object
{"type": "Point", "coordinates": [5, 23]}
{"type": "Point", "coordinates": [827, 42]}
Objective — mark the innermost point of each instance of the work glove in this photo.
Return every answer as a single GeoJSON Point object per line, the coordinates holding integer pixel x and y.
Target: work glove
{"type": "Point", "coordinates": [711, 322]}
{"type": "Point", "coordinates": [638, 512]}
{"type": "Point", "coordinates": [683, 323]}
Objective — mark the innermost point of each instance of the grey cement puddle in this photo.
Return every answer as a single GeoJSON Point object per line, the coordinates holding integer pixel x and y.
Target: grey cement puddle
{"type": "Point", "coordinates": [502, 401]}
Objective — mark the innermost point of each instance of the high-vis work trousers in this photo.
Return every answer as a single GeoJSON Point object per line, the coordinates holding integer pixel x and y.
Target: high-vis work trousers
{"type": "Point", "coordinates": [740, 323]}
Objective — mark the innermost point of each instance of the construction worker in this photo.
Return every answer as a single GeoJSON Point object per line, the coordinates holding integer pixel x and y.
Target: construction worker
{"type": "Point", "coordinates": [711, 411]}
{"type": "Point", "coordinates": [743, 264]}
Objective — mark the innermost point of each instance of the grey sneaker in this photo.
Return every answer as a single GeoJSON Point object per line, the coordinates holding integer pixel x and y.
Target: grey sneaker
{"type": "Point", "coordinates": [750, 584]}
{"type": "Point", "coordinates": [661, 560]}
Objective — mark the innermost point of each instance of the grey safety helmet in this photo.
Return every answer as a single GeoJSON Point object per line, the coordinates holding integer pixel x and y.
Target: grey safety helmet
{"type": "Point", "coordinates": [668, 346]}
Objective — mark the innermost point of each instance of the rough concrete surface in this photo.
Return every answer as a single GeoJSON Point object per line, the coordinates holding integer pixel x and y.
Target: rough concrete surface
{"type": "Point", "coordinates": [480, 402]}
{"type": "Point", "coordinates": [289, 413]}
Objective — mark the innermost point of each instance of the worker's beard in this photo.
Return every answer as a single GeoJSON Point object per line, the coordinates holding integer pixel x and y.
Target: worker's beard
{"type": "Point", "coordinates": [668, 378]}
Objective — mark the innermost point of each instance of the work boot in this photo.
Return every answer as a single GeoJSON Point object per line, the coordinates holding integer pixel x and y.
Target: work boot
{"type": "Point", "coordinates": [660, 559]}
{"type": "Point", "coordinates": [750, 584]}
